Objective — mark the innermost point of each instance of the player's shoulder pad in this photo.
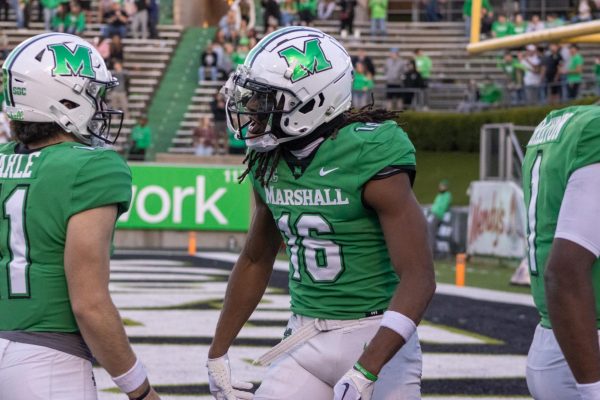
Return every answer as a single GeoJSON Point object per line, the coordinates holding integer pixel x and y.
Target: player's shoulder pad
{"type": "Point", "coordinates": [377, 132]}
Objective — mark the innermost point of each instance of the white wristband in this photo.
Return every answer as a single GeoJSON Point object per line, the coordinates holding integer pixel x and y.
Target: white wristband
{"type": "Point", "coordinates": [131, 379]}
{"type": "Point", "coordinates": [589, 391]}
{"type": "Point", "coordinates": [399, 323]}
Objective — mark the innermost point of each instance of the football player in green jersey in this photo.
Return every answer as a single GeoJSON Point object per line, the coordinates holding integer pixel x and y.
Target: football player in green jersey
{"type": "Point", "coordinates": [336, 187]}
{"type": "Point", "coordinates": [561, 183]}
{"type": "Point", "coordinates": [61, 195]}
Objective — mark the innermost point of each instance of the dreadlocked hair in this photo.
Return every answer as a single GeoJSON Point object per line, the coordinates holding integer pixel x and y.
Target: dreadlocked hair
{"type": "Point", "coordinates": [266, 162]}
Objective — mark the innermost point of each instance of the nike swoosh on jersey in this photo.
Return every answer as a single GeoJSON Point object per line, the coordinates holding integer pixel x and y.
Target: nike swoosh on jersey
{"type": "Point", "coordinates": [324, 172]}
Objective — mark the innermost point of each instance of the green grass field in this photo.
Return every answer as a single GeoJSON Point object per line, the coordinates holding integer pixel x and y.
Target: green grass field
{"type": "Point", "coordinates": [459, 168]}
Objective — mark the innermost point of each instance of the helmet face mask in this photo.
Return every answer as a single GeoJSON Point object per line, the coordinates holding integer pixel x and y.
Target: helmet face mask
{"type": "Point", "coordinates": [61, 78]}
{"type": "Point", "coordinates": [293, 81]}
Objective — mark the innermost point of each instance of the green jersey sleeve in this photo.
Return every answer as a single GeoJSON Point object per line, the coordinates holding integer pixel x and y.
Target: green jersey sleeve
{"type": "Point", "coordinates": [104, 179]}
{"type": "Point", "coordinates": [589, 142]}
{"type": "Point", "coordinates": [386, 146]}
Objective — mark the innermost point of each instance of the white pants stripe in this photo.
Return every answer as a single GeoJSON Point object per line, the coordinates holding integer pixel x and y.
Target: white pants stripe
{"type": "Point", "coordinates": [29, 372]}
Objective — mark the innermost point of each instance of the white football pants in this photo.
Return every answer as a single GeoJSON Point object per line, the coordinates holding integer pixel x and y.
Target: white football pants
{"type": "Point", "coordinates": [311, 369]}
{"type": "Point", "coordinates": [29, 372]}
{"type": "Point", "coordinates": [548, 374]}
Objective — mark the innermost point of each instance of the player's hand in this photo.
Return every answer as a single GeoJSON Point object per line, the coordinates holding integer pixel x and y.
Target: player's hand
{"type": "Point", "coordinates": [353, 386]}
{"type": "Point", "coordinates": [222, 387]}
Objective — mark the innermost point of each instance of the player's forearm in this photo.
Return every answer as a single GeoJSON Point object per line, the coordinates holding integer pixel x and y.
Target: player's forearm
{"type": "Point", "coordinates": [410, 299]}
{"type": "Point", "coordinates": [573, 317]}
{"type": "Point", "coordinates": [102, 329]}
{"type": "Point", "coordinates": [247, 284]}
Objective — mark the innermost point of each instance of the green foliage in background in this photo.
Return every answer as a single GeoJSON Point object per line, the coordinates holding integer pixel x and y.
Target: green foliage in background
{"type": "Point", "coordinates": [435, 131]}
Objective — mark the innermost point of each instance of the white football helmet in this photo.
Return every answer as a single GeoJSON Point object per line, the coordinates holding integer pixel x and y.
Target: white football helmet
{"type": "Point", "coordinates": [57, 77]}
{"type": "Point", "coordinates": [294, 80]}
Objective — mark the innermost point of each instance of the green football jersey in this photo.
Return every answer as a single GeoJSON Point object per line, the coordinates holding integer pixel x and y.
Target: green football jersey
{"type": "Point", "coordinates": [563, 142]}
{"type": "Point", "coordinates": [39, 192]}
{"type": "Point", "coordinates": [339, 264]}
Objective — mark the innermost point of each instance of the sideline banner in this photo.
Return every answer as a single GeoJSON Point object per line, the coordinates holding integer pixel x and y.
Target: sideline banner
{"type": "Point", "coordinates": [187, 197]}
{"type": "Point", "coordinates": [496, 225]}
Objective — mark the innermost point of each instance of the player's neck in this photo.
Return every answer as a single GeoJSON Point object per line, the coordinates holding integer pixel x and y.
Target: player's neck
{"type": "Point", "coordinates": [49, 142]}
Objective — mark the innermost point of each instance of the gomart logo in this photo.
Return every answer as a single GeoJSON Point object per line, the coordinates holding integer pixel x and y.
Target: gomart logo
{"type": "Point", "coordinates": [72, 63]}
{"type": "Point", "coordinates": [308, 61]}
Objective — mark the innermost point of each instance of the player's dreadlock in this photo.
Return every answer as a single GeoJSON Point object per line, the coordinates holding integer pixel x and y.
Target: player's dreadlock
{"type": "Point", "coordinates": [266, 162]}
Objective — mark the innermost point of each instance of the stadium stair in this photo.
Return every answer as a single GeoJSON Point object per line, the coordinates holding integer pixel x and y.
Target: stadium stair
{"type": "Point", "coordinates": [176, 90]}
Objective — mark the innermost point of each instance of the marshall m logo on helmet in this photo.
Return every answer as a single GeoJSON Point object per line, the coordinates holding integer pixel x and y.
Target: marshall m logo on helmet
{"type": "Point", "coordinates": [72, 63]}
{"type": "Point", "coordinates": [309, 61]}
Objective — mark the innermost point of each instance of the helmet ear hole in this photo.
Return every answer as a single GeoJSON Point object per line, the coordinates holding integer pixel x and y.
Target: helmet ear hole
{"type": "Point", "coordinates": [69, 104]}
{"type": "Point", "coordinates": [308, 107]}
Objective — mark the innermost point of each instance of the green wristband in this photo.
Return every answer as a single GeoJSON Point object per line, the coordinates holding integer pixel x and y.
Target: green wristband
{"type": "Point", "coordinates": [365, 372]}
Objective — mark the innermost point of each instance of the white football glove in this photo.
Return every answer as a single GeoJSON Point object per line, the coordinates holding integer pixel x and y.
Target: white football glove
{"type": "Point", "coordinates": [222, 387]}
{"type": "Point", "coordinates": [353, 386]}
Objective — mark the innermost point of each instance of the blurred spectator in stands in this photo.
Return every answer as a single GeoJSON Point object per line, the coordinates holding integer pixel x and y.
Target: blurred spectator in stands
{"type": "Point", "coordinates": [239, 56]}
{"type": "Point", "coordinates": [413, 84]}
{"type": "Point", "coordinates": [289, 12]}
{"type": "Point", "coordinates": [532, 80]}
{"type": "Point", "coordinates": [139, 20]}
{"type": "Point", "coordinates": [22, 10]}
{"type": "Point", "coordinates": [379, 10]}
{"type": "Point", "coordinates": [3, 45]}
{"type": "Point", "coordinates": [102, 44]}
{"type": "Point", "coordinates": [225, 65]}
{"type": "Point", "coordinates": [489, 93]}
{"type": "Point", "coordinates": [153, 18]}
{"type": "Point", "coordinates": [552, 63]}
{"type": "Point", "coordinates": [520, 25]}
{"type": "Point", "coordinates": [487, 20]}
{"type": "Point", "coordinates": [574, 72]}
{"type": "Point", "coordinates": [115, 21]}
{"type": "Point", "coordinates": [50, 9]}
{"type": "Point", "coordinates": [59, 19]}
{"type": "Point", "coordinates": [307, 11]}
{"type": "Point", "coordinates": [204, 137]}
{"type": "Point", "coordinates": [118, 95]}
{"type": "Point", "coordinates": [362, 86]}
{"type": "Point", "coordinates": [271, 13]}
{"type": "Point", "coordinates": [208, 61]}
{"type": "Point", "coordinates": [217, 107]}
{"type": "Point", "coordinates": [246, 11]}
{"type": "Point", "coordinates": [76, 20]}
{"type": "Point", "coordinates": [229, 24]}
{"type": "Point", "coordinates": [597, 75]}
{"type": "Point", "coordinates": [423, 64]}
{"type": "Point", "coordinates": [347, 17]}
{"type": "Point", "coordinates": [141, 140]}
{"type": "Point", "coordinates": [467, 7]}
{"type": "Point", "coordinates": [513, 71]}
{"type": "Point", "coordinates": [394, 74]}
{"type": "Point", "coordinates": [440, 206]}
{"type": "Point", "coordinates": [536, 24]}
{"type": "Point", "coordinates": [103, 6]}
{"type": "Point", "coordinates": [585, 11]}
{"type": "Point", "coordinates": [363, 58]}
{"type": "Point", "coordinates": [432, 10]}
{"type": "Point", "coordinates": [4, 8]}
{"type": "Point", "coordinates": [502, 27]}
{"type": "Point", "coordinates": [510, 8]}
{"type": "Point", "coordinates": [116, 51]}
{"type": "Point", "coordinates": [554, 21]}
{"type": "Point", "coordinates": [326, 9]}
{"type": "Point", "coordinates": [469, 102]}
